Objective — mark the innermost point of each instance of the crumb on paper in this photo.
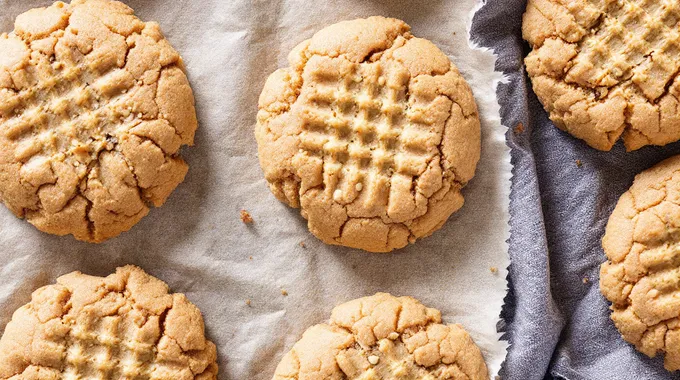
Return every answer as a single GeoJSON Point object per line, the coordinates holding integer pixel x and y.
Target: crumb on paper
{"type": "Point", "coordinates": [250, 258]}
{"type": "Point", "coordinates": [579, 163]}
{"type": "Point", "coordinates": [245, 217]}
{"type": "Point", "coordinates": [519, 128]}
{"type": "Point", "coordinates": [303, 245]}
{"type": "Point", "coordinates": [284, 292]}
{"type": "Point", "coordinates": [586, 280]}
{"type": "Point", "coordinates": [248, 302]}
{"type": "Point", "coordinates": [493, 270]}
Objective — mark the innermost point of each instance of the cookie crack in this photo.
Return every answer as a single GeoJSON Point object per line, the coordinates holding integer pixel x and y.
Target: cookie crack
{"type": "Point", "coordinates": [38, 203]}
{"type": "Point", "coordinates": [440, 146]}
{"type": "Point", "coordinates": [595, 28]}
{"type": "Point", "coordinates": [379, 51]}
{"type": "Point", "coordinates": [667, 87]}
{"type": "Point", "coordinates": [160, 116]}
{"type": "Point", "coordinates": [91, 230]}
{"type": "Point", "coordinates": [138, 187]}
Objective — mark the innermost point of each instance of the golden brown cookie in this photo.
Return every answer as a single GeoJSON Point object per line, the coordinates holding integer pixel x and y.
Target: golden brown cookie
{"type": "Point", "coordinates": [642, 275]}
{"type": "Point", "coordinates": [606, 69]}
{"type": "Point", "coordinates": [371, 132]}
{"type": "Point", "coordinates": [124, 326]}
{"type": "Point", "coordinates": [94, 107]}
{"type": "Point", "coordinates": [384, 337]}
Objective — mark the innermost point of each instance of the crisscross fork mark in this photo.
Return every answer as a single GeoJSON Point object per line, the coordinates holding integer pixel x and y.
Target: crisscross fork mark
{"type": "Point", "coordinates": [75, 103]}
{"type": "Point", "coordinates": [357, 127]}
{"type": "Point", "coordinates": [111, 352]}
{"type": "Point", "coordinates": [631, 32]}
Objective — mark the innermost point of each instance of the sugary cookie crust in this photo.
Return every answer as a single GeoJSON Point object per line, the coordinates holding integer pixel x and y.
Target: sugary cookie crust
{"type": "Point", "coordinates": [384, 337]}
{"type": "Point", "coordinates": [94, 107]}
{"type": "Point", "coordinates": [126, 325]}
{"type": "Point", "coordinates": [372, 132]}
{"type": "Point", "coordinates": [606, 69]}
{"type": "Point", "coordinates": [642, 275]}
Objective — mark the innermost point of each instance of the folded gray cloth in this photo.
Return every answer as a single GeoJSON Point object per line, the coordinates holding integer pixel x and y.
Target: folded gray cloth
{"type": "Point", "coordinates": [556, 320]}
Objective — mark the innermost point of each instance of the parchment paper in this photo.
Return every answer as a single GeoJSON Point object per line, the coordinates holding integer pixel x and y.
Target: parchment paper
{"type": "Point", "coordinates": [197, 242]}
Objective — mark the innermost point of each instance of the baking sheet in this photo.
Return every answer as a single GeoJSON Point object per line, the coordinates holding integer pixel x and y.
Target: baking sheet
{"type": "Point", "coordinates": [197, 242]}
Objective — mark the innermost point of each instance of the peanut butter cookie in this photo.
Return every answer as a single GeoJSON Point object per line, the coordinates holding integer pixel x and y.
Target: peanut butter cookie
{"type": "Point", "coordinates": [642, 275]}
{"type": "Point", "coordinates": [607, 69]}
{"type": "Point", "coordinates": [124, 326]}
{"type": "Point", "coordinates": [384, 337]}
{"type": "Point", "coordinates": [371, 132]}
{"type": "Point", "coordinates": [94, 107]}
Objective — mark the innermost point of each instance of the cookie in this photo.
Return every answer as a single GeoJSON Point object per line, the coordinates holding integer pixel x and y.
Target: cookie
{"type": "Point", "coordinates": [642, 275]}
{"type": "Point", "coordinates": [124, 326]}
{"type": "Point", "coordinates": [94, 107]}
{"type": "Point", "coordinates": [371, 132]}
{"type": "Point", "coordinates": [606, 70]}
{"type": "Point", "coordinates": [384, 337]}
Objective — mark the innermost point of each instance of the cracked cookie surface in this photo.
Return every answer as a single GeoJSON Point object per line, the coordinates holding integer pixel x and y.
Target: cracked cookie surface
{"type": "Point", "coordinates": [384, 337]}
{"type": "Point", "coordinates": [371, 132]}
{"type": "Point", "coordinates": [607, 69]}
{"type": "Point", "coordinates": [642, 275]}
{"type": "Point", "coordinates": [124, 326]}
{"type": "Point", "coordinates": [94, 108]}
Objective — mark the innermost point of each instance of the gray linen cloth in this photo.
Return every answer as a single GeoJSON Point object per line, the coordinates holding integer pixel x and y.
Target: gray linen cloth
{"type": "Point", "coordinates": [558, 323]}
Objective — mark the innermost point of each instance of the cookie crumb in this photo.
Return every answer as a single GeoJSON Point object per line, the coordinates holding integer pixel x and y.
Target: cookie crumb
{"type": "Point", "coordinates": [373, 359]}
{"type": "Point", "coordinates": [303, 245]}
{"type": "Point", "coordinates": [284, 292]}
{"type": "Point", "coordinates": [248, 302]}
{"type": "Point", "coordinates": [586, 280]}
{"type": "Point", "coordinates": [250, 258]}
{"type": "Point", "coordinates": [246, 218]}
{"type": "Point", "coordinates": [519, 128]}
{"type": "Point", "coordinates": [493, 270]}
{"type": "Point", "coordinates": [337, 195]}
{"type": "Point", "coordinates": [393, 335]}
{"type": "Point", "coordinates": [579, 163]}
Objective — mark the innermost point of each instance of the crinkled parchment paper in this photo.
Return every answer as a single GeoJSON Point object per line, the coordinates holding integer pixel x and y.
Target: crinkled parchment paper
{"type": "Point", "coordinates": [197, 242]}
